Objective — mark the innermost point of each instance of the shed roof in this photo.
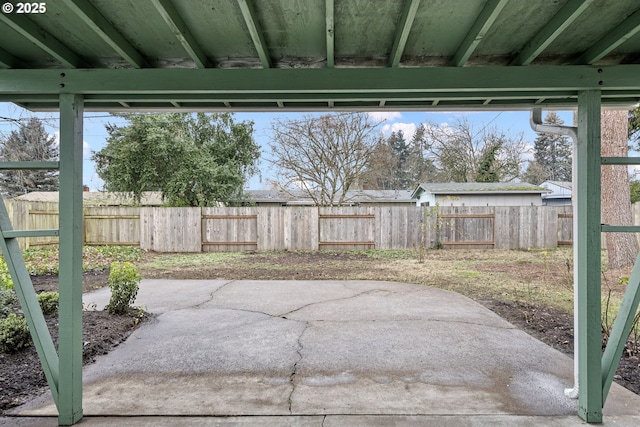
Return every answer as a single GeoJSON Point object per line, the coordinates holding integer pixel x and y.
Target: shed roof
{"type": "Point", "coordinates": [478, 188]}
{"type": "Point", "coordinates": [282, 55]}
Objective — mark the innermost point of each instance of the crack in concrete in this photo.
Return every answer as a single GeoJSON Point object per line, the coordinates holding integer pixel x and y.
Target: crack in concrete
{"type": "Point", "coordinates": [329, 300]}
{"type": "Point", "coordinates": [294, 370]}
{"type": "Point", "coordinates": [212, 295]}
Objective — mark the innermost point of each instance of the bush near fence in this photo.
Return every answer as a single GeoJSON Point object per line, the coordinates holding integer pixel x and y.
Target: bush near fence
{"type": "Point", "coordinates": [165, 229]}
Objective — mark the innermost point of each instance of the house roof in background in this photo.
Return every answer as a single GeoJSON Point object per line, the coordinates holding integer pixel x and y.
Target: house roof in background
{"type": "Point", "coordinates": [97, 198]}
{"type": "Point", "coordinates": [477, 188]}
{"type": "Point", "coordinates": [567, 185]}
{"type": "Point", "coordinates": [354, 196]}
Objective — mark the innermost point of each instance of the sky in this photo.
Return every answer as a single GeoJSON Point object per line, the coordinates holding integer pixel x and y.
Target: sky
{"type": "Point", "coordinates": [95, 134]}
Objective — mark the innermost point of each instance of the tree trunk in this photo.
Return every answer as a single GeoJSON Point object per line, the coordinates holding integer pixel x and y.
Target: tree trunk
{"type": "Point", "coordinates": [622, 248]}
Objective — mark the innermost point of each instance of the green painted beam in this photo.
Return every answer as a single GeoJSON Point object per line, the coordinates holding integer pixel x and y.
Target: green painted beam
{"type": "Point", "coordinates": [478, 30]}
{"type": "Point", "coordinates": [70, 311]}
{"type": "Point", "coordinates": [620, 160]}
{"type": "Point", "coordinates": [402, 34]}
{"type": "Point", "coordinates": [29, 303]}
{"type": "Point", "coordinates": [588, 242]}
{"type": "Point", "coordinates": [620, 34]}
{"type": "Point", "coordinates": [43, 39]}
{"type": "Point", "coordinates": [620, 228]}
{"type": "Point", "coordinates": [467, 80]}
{"type": "Point", "coordinates": [552, 29]}
{"type": "Point", "coordinates": [621, 329]}
{"type": "Point", "coordinates": [29, 233]}
{"type": "Point", "coordinates": [249, 15]}
{"type": "Point", "coordinates": [29, 165]}
{"type": "Point", "coordinates": [107, 32]}
{"type": "Point", "coordinates": [330, 32]}
{"type": "Point", "coordinates": [177, 25]}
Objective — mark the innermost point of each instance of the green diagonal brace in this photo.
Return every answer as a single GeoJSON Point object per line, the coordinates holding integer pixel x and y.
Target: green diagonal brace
{"type": "Point", "coordinates": [621, 329]}
{"type": "Point", "coordinates": [29, 303]}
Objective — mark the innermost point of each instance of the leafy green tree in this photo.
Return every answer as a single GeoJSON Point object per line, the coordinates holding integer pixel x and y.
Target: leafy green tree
{"type": "Point", "coordinates": [194, 160]}
{"type": "Point", "coordinates": [30, 142]}
{"type": "Point", "coordinates": [553, 152]}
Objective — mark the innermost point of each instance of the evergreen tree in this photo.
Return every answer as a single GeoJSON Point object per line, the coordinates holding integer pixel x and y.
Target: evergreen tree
{"type": "Point", "coordinates": [553, 152]}
{"type": "Point", "coordinates": [400, 151]}
{"type": "Point", "coordinates": [487, 171]}
{"type": "Point", "coordinates": [535, 174]}
{"type": "Point", "coordinates": [29, 143]}
{"type": "Point", "coordinates": [420, 165]}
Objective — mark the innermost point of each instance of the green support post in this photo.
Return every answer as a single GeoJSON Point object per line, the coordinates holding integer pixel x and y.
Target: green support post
{"type": "Point", "coordinates": [587, 187]}
{"type": "Point", "coordinates": [70, 311]}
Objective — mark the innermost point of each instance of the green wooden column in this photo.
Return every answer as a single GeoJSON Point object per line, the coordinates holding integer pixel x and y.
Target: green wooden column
{"type": "Point", "coordinates": [70, 317]}
{"type": "Point", "coordinates": [587, 188]}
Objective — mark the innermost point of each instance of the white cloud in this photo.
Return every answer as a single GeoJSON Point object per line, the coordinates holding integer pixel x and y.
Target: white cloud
{"type": "Point", "coordinates": [408, 129]}
{"type": "Point", "coordinates": [380, 116]}
{"type": "Point", "coordinates": [86, 149]}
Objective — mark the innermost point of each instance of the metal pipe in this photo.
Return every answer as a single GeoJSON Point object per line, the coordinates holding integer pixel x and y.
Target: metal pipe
{"type": "Point", "coordinates": [538, 126]}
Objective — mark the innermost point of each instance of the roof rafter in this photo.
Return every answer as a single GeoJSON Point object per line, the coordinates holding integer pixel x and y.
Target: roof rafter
{"type": "Point", "coordinates": [612, 40]}
{"type": "Point", "coordinates": [477, 32]}
{"type": "Point", "coordinates": [565, 17]}
{"type": "Point", "coordinates": [7, 60]}
{"type": "Point", "coordinates": [404, 28]}
{"type": "Point", "coordinates": [173, 19]}
{"type": "Point", "coordinates": [249, 15]}
{"type": "Point", "coordinates": [107, 32]}
{"type": "Point", "coordinates": [330, 30]}
{"type": "Point", "coordinates": [43, 39]}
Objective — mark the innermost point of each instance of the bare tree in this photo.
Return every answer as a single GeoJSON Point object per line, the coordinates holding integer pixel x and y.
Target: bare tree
{"type": "Point", "coordinates": [616, 202]}
{"type": "Point", "coordinates": [323, 156]}
{"type": "Point", "coordinates": [463, 155]}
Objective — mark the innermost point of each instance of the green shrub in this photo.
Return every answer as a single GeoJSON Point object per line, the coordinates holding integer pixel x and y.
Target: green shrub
{"type": "Point", "coordinates": [123, 282]}
{"type": "Point", "coordinates": [7, 300]}
{"type": "Point", "coordinates": [14, 334]}
{"type": "Point", "coordinates": [49, 302]}
{"type": "Point", "coordinates": [5, 277]}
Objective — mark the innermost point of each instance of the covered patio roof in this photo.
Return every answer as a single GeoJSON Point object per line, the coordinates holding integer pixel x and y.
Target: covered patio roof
{"type": "Point", "coordinates": [278, 55]}
{"type": "Point", "coordinates": [317, 55]}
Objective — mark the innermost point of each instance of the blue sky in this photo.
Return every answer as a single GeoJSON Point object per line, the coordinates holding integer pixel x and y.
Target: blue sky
{"type": "Point", "coordinates": [95, 134]}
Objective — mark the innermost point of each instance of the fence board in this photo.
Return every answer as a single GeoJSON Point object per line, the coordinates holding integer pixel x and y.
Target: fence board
{"type": "Point", "coordinates": [346, 228]}
{"type": "Point", "coordinates": [112, 225]}
{"type": "Point", "coordinates": [171, 229]}
{"type": "Point", "coordinates": [301, 228]}
{"type": "Point", "coordinates": [467, 226]}
{"type": "Point", "coordinates": [235, 226]}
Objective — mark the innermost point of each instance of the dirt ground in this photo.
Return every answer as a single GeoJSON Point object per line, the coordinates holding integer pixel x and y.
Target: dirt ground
{"type": "Point", "coordinates": [21, 376]}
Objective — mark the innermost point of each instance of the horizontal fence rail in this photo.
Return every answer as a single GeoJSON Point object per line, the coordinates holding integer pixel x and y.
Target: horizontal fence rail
{"type": "Point", "coordinates": [262, 228]}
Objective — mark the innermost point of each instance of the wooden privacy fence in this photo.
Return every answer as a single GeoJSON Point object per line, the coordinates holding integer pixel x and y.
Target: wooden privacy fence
{"type": "Point", "coordinates": [164, 229]}
{"type": "Point", "coordinates": [336, 228]}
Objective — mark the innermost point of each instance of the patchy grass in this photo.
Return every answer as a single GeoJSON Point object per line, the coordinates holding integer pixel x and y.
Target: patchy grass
{"type": "Point", "coordinates": [44, 260]}
{"type": "Point", "coordinates": [529, 277]}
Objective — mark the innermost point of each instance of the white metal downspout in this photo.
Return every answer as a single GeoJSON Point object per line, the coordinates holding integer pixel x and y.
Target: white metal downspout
{"type": "Point", "coordinates": [571, 131]}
